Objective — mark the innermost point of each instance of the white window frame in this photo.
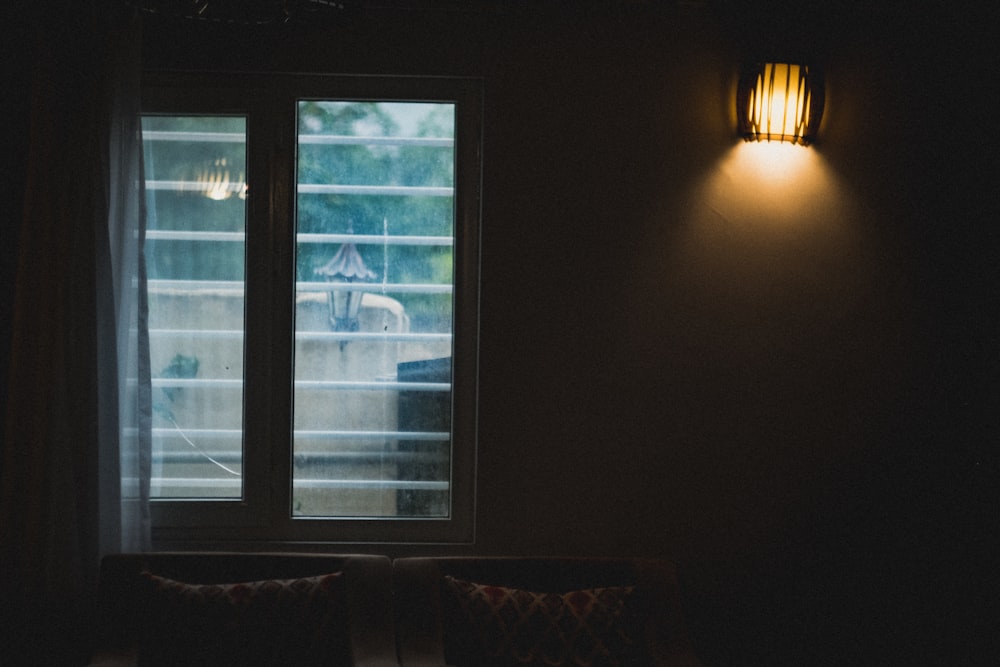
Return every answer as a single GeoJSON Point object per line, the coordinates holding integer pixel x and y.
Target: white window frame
{"type": "Point", "coordinates": [262, 516]}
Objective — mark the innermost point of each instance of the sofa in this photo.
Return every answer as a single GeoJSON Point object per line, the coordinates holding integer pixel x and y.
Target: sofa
{"type": "Point", "coordinates": [310, 609]}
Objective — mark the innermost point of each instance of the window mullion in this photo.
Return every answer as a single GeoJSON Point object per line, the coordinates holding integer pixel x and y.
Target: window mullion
{"type": "Point", "coordinates": [269, 313]}
{"type": "Point", "coordinates": [281, 119]}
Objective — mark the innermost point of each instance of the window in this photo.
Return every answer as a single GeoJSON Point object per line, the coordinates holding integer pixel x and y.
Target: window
{"type": "Point", "coordinates": [312, 259]}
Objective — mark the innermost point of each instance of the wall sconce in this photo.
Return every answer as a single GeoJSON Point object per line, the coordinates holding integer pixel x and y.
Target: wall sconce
{"type": "Point", "coordinates": [346, 266]}
{"type": "Point", "coordinates": [780, 102]}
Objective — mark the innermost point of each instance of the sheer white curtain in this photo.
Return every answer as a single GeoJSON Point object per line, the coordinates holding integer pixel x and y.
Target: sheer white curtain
{"type": "Point", "coordinates": [125, 491]}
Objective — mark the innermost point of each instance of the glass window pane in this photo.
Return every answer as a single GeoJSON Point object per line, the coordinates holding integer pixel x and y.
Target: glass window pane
{"type": "Point", "coordinates": [374, 309]}
{"type": "Point", "coordinates": [195, 254]}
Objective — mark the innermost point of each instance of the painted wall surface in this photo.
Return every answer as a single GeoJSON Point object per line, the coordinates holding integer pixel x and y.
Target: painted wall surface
{"type": "Point", "coordinates": [780, 375]}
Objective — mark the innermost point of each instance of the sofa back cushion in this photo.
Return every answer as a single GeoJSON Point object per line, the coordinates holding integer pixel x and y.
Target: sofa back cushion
{"type": "Point", "coordinates": [268, 622]}
{"type": "Point", "coordinates": [360, 594]}
{"type": "Point", "coordinates": [493, 625]}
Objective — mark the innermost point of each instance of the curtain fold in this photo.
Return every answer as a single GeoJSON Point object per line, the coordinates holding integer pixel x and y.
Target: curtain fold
{"type": "Point", "coordinates": [63, 503]}
{"type": "Point", "coordinates": [128, 389]}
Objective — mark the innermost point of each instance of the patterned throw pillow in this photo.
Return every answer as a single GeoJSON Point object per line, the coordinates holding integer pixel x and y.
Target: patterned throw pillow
{"type": "Point", "coordinates": [498, 626]}
{"type": "Point", "coordinates": [273, 622]}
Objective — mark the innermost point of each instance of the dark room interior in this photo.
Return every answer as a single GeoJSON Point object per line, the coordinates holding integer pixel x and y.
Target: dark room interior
{"type": "Point", "coordinates": [784, 382]}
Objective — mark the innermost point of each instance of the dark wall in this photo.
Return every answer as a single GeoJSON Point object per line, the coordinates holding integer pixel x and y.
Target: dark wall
{"type": "Point", "coordinates": [784, 382]}
{"type": "Point", "coordinates": [15, 65]}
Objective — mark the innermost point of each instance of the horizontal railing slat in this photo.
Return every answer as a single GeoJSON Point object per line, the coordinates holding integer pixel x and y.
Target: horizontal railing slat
{"type": "Point", "coordinates": [302, 286]}
{"type": "Point", "coordinates": [357, 239]}
{"type": "Point", "coordinates": [328, 139]}
{"type": "Point", "coordinates": [315, 189]}
{"type": "Point", "coordinates": [190, 457]}
{"type": "Point", "coordinates": [235, 433]}
{"type": "Point", "coordinates": [237, 483]}
{"type": "Point", "coordinates": [349, 385]}
{"type": "Point", "coordinates": [180, 135]}
{"type": "Point", "coordinates": [379, 190]}
{"type": "Point", "coordinates": [347, 140]}
{"type": "Point", "coordinates": [375, 239]}
{"type": "Point", "coordinates": [385, 288]}
{"type": "Point", "coordinates": [300, 336]}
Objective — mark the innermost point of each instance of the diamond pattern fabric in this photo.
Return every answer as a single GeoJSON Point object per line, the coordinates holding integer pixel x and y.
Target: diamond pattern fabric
{"type": "Point", "coordinates": [497, 626]}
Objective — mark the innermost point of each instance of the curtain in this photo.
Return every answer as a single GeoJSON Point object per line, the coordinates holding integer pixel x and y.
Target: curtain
{"type": "Point", "coordinates": [127, 390]}
{"type": "Point", "coordinates": [71, 472]}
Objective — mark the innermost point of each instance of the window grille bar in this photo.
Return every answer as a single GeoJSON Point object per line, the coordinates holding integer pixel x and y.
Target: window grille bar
{"type": "Point", "coordinates": [172, 135]}
{"type": "Point", "coordinates": [380, 190]}
{"type": "Point", "coordinates": [435, 436]}
{"type": "Point", "coordinates": [332, 336]}
{"type": "Point", "coordinates": [319, 458]}
{"type": "Point", "coordinates": [233, 433]}
{"type": "Point", "coordinates": [184, 235]}
{"type": "Point", "coordinates": [328, 139]}
{"type": "Point", "coordinates": [201, 433]}
{"type": "Point", "coordinates": [347, 385]}
{"type": "Point", "coordinates": [191, 285]}
{"type": "Point", "coordinates": [344, 140]}
{"type": "Point", "coordinates": [357, 239]}
{"type": "Point", "coordinates": [237, 286]}
{"type": "Point", "coordinates": [404, 337]}
{"type": "Point", "coordinates": [406, 484]}
{"type": "Point", "coordinates": [185, 186]}
{"type": "Point", "coordinates": [375, 239]}
{"type": "Point", "coordinates": [218, 483]}
{"type": "Point", "coordinates": [368, 458]}
{"type": "Point", "coordinates": [318, 189]}
{"type": "Point", "coordinates": [372, 386]}
{"type": "Point", "coordinates": [391, 288]}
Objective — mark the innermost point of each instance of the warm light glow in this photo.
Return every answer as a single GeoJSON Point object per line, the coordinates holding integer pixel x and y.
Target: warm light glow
{"type": "Point", "coordinates": [773, 185]}
{"type": "Point", "coordinates": [776, 165]}
{"type": "Point", "coordinates": [780, 102]}
{"type": "Point", "coordinates": [215, 183]}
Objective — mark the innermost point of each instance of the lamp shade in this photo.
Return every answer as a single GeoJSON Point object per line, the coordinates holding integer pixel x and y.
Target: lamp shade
{"type": "Point", "coordinates": [347, 267]}
{"type": "Point", "coordinates": [780, 102]}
